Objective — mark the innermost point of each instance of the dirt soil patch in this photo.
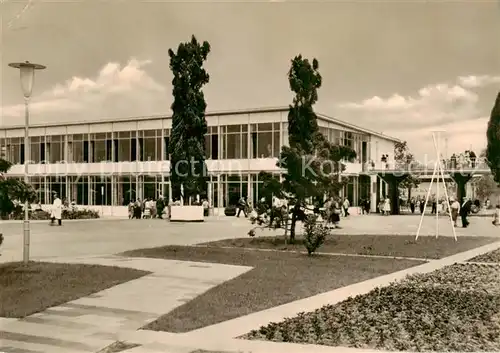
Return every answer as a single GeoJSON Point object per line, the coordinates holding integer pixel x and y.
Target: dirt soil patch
{"type": "Point", "coordinates": [426, 247]}
{"type": "Point", "coordinates": [453, 309]}
{"type": "Point", "coordinates": [277, 278]}
{"type": "Point", "coordinates": [31, 288]}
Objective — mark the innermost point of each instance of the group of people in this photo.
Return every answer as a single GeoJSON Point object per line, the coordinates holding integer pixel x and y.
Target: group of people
{"type": "Point", "coordinates": [384, 207]}
{"type": "Point", "coordinates": [151, 208]}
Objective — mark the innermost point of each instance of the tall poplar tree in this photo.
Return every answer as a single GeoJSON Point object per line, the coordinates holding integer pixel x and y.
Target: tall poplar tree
{"type": "Point", "coordinates": [189, 126]}
{"type": "Point", "coordinates": [493, 136]}
{"type": "Point", "coordinates": [312, 164]}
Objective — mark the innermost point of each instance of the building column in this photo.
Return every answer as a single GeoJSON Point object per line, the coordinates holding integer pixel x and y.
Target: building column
{"type": "Point", "coordinates": [90, 195]}
{"type": "Point", "coordinates": [461, 180]}
{"type": "Point", "coordinates": [219, 193]}
{"type": "Point", "coordinates": [46, 191]}
{"type": "Point", "coordinates": [249, 188]}
{"type": "Point", "coordinates": [114, 193]}
{"type": "Point", "coordinates": [67, 188]}
{"type": "Point", "coordinates": [355, 193]}
{"type": "Point", "coordinates": [373, 193]}
{"type": "Point", "coordinates": [209, 190]}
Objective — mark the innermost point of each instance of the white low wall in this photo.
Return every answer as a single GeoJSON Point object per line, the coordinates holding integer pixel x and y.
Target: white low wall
{"type": "Point", "coordinates": [186, 214]}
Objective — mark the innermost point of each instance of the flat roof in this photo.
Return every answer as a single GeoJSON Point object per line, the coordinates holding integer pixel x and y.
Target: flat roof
{"type": "Point", "coordinates": [209, 113]}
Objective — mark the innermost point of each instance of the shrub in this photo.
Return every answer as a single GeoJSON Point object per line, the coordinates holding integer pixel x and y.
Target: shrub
{"type": "Point", "coordinates": [41, 215]}
{"type": "Point", "coordinates": [314, 233]}
{"type": "Point", "coordinates": [230, 210]}
{"type": "Point", "coordinates": [79, 214]}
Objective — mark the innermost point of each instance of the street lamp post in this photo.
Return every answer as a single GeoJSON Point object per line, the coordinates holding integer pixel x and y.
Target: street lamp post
{"type": "Point", "coordinates": [27, 75]}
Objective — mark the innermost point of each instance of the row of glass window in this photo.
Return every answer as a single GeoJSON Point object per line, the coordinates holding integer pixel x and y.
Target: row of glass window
{"type": "Point", "coordinates": [228, 142]}
{"type": "Point", "coordinates": [97, 190]}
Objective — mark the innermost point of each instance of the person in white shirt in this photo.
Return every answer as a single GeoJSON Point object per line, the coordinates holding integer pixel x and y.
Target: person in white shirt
{"type": "Point", "coordinates": [346, 206]}
{"type": "Point", "coordinates": [387, 207]}
{"type": "Point", "coordinates": [56, 213]}
{"type": "Point", "coordinates": [147, 208]}
{"type": "Point", "coordinates": [455, 210]}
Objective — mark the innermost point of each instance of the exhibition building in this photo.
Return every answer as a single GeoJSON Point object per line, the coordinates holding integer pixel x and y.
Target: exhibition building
{"type": "Point", "coordinates": [107, 163]}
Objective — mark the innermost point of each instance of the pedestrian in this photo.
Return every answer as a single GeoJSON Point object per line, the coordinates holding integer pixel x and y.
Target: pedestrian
{"type": "Point", "coordinates": [412, 205]}
{"type": "Point", "coordinates": [367, 206]}
{"type": "Point", "coordinates": [496, 216]}
{"type": "Point", "coordinates": [56, 213]}
{"type": "Point", "coordinates": [138, 209]}
{"type": "Point", "coordinates": [346, 206]}
{"type": "Point", "coordinates": [130, 210]}
{"type": "Point", "coordinates": [335, 212]}
{"type": "Point", "coordinates": [465, 209]}
{"type": "Point", "coordinates": [160, 206]}
{"type": "Point", "coordinates": [147, 208]}
{"type": "Point", "coordinates": [206, 206]}
{"type": "Point", "coordinates": [242, 204]}
{"type": "Point", "coordinates": [387, 207]}
{"type": "Point", "coordinates": [421, 206]}
{"type": "Point", "coordinates": [455, 210]}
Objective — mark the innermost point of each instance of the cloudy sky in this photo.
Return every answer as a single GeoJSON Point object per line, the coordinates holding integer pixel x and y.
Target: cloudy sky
{"type": "Point", "coordinates": [404, 68]}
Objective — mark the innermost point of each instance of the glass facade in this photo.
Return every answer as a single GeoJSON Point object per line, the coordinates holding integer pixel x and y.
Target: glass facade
{"type": "Point", "coordinates": [223, 142]}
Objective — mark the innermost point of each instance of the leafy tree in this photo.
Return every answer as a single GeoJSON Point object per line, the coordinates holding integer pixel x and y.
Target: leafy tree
{"type": "Point", "coordinates": [11, 190]}
{"type": "Point", "coordinates": [312, 164]}
{"type": "Point", "coordinates": [493, 136]}
{"type": "Point", "coordinates": [270, 187]}
{"type": "Point", "coordinates": [405, 160]}
{"type": "Point", "coordinates": [485, 187]}
{"type": "Point", "coordinates": [189, 126]}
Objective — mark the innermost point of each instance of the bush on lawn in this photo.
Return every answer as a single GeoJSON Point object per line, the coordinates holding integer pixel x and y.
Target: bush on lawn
{"type": "Point", "coordinates": [41, 215]}
{"type": "Point", "coordinates": [230, 211]}
{"type": "Point", "coordinates": [314, 233]}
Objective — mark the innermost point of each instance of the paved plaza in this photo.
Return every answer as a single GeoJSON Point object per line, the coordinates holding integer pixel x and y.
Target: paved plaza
{"type": "Point", "coordinates": [91, 323]}
{"type": "Point", "coordinates": [111, 236]}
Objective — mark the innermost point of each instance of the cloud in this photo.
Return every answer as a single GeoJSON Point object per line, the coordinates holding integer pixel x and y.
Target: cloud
{"type": "Point", "coordinates": [431, 105]}
{"type": "Point", "coordinates": [455, 108]}
{"type": "Point", "coordinates": [116, 91]}
{"type": "Point", "coordinates": [478, 81]}
{"type": "Point", "coordinates": [456, 137]}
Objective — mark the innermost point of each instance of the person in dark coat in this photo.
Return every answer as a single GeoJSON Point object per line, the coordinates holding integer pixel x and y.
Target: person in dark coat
{"type": "Point", "coordinates": [160, 206]}
{"type": "Point", "coordinates": [465, 211]}
{"type": "Point", "coordinates": [412, 205]}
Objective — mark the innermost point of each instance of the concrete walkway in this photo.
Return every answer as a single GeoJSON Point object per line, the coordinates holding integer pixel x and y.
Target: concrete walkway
{"type": "Point", "coordinates": [91, 323]}
{"type": "Point", "coordinates": [221, 337]}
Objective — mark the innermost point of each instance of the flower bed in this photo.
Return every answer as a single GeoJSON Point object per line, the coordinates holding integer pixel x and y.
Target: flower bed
{"type": "Point", "coordinates": [453, 309]}
{"type": "Point", "coordinates": [40, 215]}
{"type": "Point", "coordinates": [492, 257]}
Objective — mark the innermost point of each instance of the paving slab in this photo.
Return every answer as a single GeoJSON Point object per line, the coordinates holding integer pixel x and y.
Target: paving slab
{"type": "Point", "coordinates": [93, 322]}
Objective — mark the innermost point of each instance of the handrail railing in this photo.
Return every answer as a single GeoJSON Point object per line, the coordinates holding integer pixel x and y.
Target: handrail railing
{"type": "Point", "coordinates": [478, 164]}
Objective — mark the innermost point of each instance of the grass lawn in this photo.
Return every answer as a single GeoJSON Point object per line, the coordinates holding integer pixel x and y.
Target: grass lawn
{"type": "Point", "coordinates": [453, 309]}
{"type": "Point", "coordinates": [29, 289]}
{"type": "Point", "coordinates": [277, 278]}
{"type": "Point", "coordinates": [426, 247]}
{"type": "Point", "coordinates": [491, 257]}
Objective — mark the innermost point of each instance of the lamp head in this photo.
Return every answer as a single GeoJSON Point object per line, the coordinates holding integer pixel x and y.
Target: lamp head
{"type": "Point", "coordinates": [27, 76]}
